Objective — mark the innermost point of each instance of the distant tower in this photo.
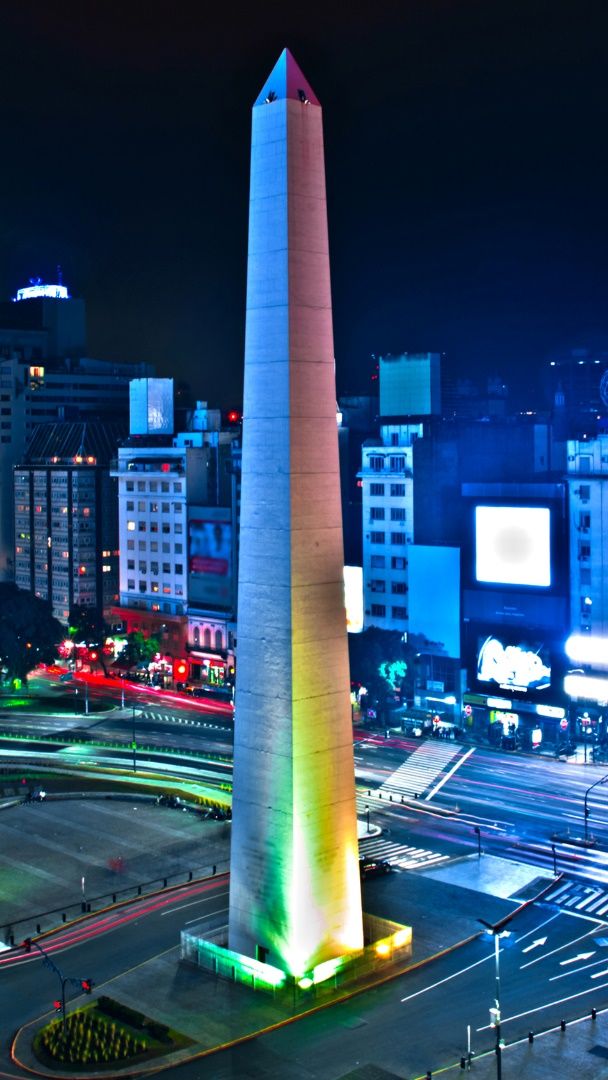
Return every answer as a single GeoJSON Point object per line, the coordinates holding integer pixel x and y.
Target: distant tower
{"type": "Point", "coordinates": [295, 898]}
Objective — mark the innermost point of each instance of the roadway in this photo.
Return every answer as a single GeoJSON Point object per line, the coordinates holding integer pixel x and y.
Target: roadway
{"type": "Point", "coordinates": [553, 966]}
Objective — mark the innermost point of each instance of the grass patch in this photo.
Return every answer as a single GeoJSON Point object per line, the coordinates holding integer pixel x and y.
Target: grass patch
{"type": "Point", "coordinates": [102, 1035]}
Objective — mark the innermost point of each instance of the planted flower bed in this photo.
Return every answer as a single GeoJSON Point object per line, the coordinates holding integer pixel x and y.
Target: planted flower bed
{"type": "Point", "coordinates": [102, 1034]}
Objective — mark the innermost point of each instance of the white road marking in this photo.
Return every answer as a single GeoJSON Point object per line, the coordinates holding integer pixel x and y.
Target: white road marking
{"type": "Point", "coordinates": [448, 978]}
{"type": "Point", "coordinates": [560, 948]}
{"type": "Point", "coordinates": [182, 907]}
{"type": "Point", "coordinates": [450, 773]}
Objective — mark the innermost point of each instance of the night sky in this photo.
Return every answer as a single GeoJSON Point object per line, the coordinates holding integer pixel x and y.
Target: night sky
{"type": "Point", "coordinates": [466, 166]}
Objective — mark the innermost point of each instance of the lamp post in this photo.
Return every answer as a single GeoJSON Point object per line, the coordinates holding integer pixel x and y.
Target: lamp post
{"type": "Point", "coordinates": [497, 930]}
{"type": "Point", "coordinates": [367, 816]}
{"type": "Point", "coordinates": [604, 780]}
{"type": "Point", "coordinates": [133, 739]}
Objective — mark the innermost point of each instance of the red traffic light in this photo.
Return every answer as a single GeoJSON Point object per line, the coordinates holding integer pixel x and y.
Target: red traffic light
{"type": "Point", "coordinates": [233, 416]}
{"type": "Point", "coordinates": [93, 655]}
{"type": "Point", "coordinates": [57, 1005]}
{"type": "Point", "coordinates": [180, 669]}
{"type": "Point", "coordinates": [87, 985]}
{"type": "Point", "coordinates": [27, 944]}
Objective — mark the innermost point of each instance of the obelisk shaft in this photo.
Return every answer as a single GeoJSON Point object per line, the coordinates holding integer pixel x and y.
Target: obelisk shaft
{"type": "Point", "coordinates": [295, 897]}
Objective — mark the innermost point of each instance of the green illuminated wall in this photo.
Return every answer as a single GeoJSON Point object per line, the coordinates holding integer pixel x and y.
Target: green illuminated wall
{"type": "Point", "coordinates": [295, 888]}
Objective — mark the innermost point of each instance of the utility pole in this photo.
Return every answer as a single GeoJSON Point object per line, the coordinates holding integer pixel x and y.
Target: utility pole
{"type": "Point", "coordinates": [497, 930]}
{"type": "Point", "coordinates": [587, 812]}
{"type": "Point", "coordinates": [84, 985]}
{"type": "Point", "coordinates": [133, 740]}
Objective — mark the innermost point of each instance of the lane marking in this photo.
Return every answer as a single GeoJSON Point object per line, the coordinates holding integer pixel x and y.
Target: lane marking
{"type": "Point", "coordinates": [560, 948]}
{"type": "Point", "coordinates": [575, 971]}
{"type": "Point", "coordinates": [182, 907]}
{"type": "Point", "coordinates": [455, 974]}
{"type": "Point", "coordinates": [220, 911]}
{"type": "Point", "coordinates": [450, 773]}
{"type": "Point", "coordinates": [548, 1005]}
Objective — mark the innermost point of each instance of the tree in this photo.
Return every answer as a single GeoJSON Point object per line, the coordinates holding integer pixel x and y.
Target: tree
{"type": "Point", "coordinates": [386, 664]}
{"type": "Point", "coordinates": [379, 661]}
{"type": "Point", "coordinates": [88, 625]}
{"type": "Point", "coordinates": [139, 649]}
{"type": "Point", "coordinates": [29, 633]}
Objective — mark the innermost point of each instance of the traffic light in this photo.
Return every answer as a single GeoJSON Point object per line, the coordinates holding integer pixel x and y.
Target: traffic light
{"type": "Point", "coordinates": [93, 655]}
{"type": "Point", "coordinates": [27, 944]}
{"type": "Point", "coordinates": [87, 985]}
{"type": "Point", "coordinates": [57, 1005]}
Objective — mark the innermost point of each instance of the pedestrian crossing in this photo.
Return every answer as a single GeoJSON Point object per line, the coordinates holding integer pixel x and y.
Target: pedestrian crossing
{"type": "Point", "coordinates": [417, 776]}
{"type": "Point", "coordinates": [168, 718]}
{"type": "Point", "coordinates": [404, 856]}
{"type": "Point", "coordinates": [579, 899]}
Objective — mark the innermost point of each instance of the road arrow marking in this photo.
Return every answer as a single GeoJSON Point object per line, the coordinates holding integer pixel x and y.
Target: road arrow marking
{"type": "Point", "coordinates": [535, 944]}
{"type": "Point", "coordinates": [575, 959]}
{"type": "Point", "coordinates": [599, 974]}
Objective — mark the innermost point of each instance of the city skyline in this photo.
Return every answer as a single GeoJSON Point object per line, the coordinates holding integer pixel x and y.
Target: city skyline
{"type": "Point", "coordinates": [464, 148]}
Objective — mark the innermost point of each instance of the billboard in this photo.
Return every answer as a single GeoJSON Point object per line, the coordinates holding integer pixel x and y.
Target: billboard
{"type": "Point", "coordinates": [513, 545]}
{"type": "Point", "coordinates": [434, 597]}
{"type": "Point", "coordinates": [353, 598]}
{"type": "Point", "coordinates": [513, 664]}
{"type": "Point", "coordinates": [210, 570]}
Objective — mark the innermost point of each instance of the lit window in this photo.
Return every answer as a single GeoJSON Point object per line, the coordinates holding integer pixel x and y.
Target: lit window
{"type": "Point", "coordinates": [131, 526]}
{"type": "Point", "coordinates": [167, 590]}
{"type": "Point", "coordinates": [106, 569]}
{"type": "Point", "coordinates": [154, 586]}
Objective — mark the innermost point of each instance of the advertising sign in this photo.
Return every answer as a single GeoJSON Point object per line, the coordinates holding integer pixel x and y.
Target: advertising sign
{"type": "Point", "coordinates": [210, 557]}
{"type": "Point", "coordinates": [513, 545]}
{"type": "Point", "coordinates": [513, 665]}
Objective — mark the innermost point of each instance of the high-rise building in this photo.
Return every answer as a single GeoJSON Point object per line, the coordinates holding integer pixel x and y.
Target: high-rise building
{"type": "Point", "coordinates": [66, 516]}
{"type": "Point", "coordinates": [45, 377]}
{"type": "Point", "coordinates": [178, 532]}
{"type": "Point", "coordinates": [295, 898]}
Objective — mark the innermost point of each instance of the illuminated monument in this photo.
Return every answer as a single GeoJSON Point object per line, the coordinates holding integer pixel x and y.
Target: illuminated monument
{"type": "Point", "coordinates": [295, 897]}
{"type": "Point", "coordinates": [295, 917]}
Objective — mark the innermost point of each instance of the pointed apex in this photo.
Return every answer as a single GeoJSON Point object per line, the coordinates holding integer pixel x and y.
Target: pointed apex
{"type": "Point", "coordinates": [286, 81]}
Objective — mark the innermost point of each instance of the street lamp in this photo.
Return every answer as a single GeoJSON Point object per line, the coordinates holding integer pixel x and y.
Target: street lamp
{"type": "Point", "coordinates": [603, 780]}
{"type": "Point", "coordinates": [367, 816]}
{"type": "Point", "coordinates": [497, 930]}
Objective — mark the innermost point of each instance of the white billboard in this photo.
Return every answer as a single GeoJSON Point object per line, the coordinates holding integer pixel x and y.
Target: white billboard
{"type": "Point", "coordinates": [353, 598]}
{"type": "Point", "coordinates": [513, 545]}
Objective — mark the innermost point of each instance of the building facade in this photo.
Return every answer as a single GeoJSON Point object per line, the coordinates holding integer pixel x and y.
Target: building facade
{"type": "Point", "coordinates": [66, 516]}
{"type": "Point", "coordinates": [387, 495]}
{"type": "Point", "coordinates": [45, 377]}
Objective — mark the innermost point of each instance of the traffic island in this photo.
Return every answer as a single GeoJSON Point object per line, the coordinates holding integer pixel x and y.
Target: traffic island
{"type": "Point", "coordinates": [103, 1035]}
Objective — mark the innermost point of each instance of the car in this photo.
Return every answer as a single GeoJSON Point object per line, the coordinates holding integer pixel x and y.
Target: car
{"type": "Point", "coordinates": [167, 799]}
{"type": "Point", "coordinates": [66, 677]}
{"type": "Point", "coordinates": [373, 868]}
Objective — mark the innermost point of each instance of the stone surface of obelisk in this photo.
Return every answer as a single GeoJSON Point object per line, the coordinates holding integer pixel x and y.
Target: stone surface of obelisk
{"type": "Point", "coordinates": [295, 897]}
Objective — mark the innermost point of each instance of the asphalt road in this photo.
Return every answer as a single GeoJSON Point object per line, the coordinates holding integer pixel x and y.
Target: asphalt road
{"type": "Point", "coordinates": [552, 966]}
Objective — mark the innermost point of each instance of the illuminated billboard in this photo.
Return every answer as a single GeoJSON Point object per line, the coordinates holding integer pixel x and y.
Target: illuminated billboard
{"type": "Point", "coordinates": [513, 545]}
{"type": "Point", "coordinates": [513, 665]}
{"type": "Point", "coordinates": [210, 557]}
{"type": "Point", "coordinates": [353, 598]}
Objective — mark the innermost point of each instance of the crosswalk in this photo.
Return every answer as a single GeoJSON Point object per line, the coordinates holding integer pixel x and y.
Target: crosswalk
{"type": "Point", "coordinates": [579, 899]}
{"type": "Point", "coordinates": [415, 778]}
{"type": "Point", "coordinates": [404, 856]}
{"type": "Point", "coordinates": [169, 718]}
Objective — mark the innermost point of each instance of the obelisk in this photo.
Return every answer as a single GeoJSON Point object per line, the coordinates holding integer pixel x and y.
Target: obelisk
{"type": "Point", "coordinates": [295, 898]}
